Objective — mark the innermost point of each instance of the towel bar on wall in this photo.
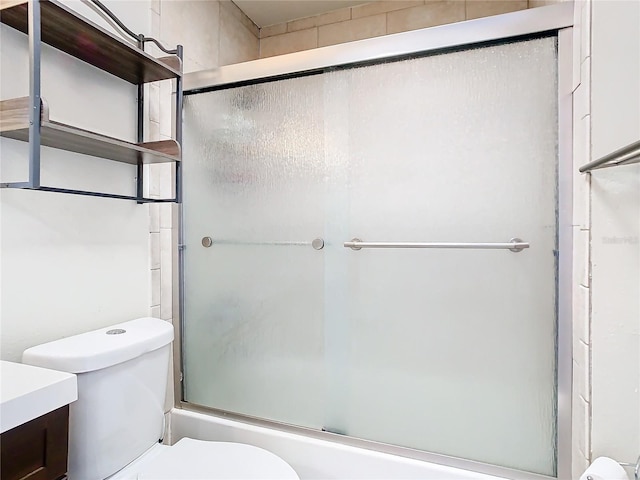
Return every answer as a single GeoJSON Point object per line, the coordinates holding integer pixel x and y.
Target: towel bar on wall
{"type": "Point", "coordinates": [624, 156]}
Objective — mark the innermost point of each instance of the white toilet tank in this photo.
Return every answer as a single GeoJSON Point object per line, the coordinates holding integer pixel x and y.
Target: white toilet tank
{"type": "Point", "coordinates": [122, 379]}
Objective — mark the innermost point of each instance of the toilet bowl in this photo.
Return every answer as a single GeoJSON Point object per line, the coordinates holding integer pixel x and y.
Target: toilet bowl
{"type": "Point", "coordinates": [115, 424]}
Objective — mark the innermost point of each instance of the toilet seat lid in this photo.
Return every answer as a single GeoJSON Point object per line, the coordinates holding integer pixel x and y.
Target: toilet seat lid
{"type": "Point", "coordinates": [191, 459]}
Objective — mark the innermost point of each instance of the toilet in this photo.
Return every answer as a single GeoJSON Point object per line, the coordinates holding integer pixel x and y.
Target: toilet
{"type": "Point", "coordinates": [117, 421]}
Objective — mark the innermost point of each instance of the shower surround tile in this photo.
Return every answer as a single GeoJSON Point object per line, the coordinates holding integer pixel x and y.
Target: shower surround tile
{"type": "Point", "coordinates": [232, 9]}
{"type": "Point", "coordinates": [289, 43]}
{"type": "Point", "coordinates": [352, 30]}
{"type": "Point", "coordinates": [581, 432]}
{"type": "Point", "coordinates": [154, 246]}
{"type": "Point", "coordinates": [193, 24]}
{"type": "Point", "coordinates": [154, 102]}
{"type": "Point", "coordinates": [375, 8]}
{"type": "Point", "coordinates": [154, 218]}
{"type": "Point", "coordinates": [486, 8]}
{"type": "Point", "coordinates": [155, 293]}
{"type": "Point", "coordinates": [238, 42]}
{"type": "Point", "coordinates": [272, 30]}
{"type": "Point", "coordinates": [166, 274]}
{"type": "Point", "coordinates": [335, 16]}
{"type": "Point", "coordinates": [428, 15]}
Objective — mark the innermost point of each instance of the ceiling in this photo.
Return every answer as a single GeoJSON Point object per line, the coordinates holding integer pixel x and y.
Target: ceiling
{"type": "Point", "coordinates": [272, 12]}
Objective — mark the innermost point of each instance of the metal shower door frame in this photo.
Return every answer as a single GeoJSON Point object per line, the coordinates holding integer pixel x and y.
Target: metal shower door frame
{"type": "Point", "coordinates": [555, 19]}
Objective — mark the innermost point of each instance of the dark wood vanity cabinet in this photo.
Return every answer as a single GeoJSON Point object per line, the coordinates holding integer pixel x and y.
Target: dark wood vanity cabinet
{"type": "Point", "coordinates": [36, 450]}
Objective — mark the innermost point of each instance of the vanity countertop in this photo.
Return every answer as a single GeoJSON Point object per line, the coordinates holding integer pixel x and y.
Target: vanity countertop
{"type": "Point", "coordinates": [28, 392]}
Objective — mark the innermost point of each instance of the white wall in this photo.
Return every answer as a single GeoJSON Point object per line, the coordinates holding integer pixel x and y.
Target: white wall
{"type": "Point", "coordinates": [615, 233]}
{"type": "Point", "coordinates": [70, 264]}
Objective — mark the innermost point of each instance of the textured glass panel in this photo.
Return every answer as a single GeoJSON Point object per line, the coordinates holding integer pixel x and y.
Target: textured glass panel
{"type": "Point", "coordinates": [452, 351]}
{"type": "Point", "coordinates": [254, 178]}
{"type": "Point", "coordinates": [448, 351]}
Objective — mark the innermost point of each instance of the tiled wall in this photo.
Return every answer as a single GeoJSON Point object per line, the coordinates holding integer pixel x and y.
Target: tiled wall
{"type": "Point", "coordinates": [376, 19]}
{"type": "Point", "coordinates": [581, 291]}
{"type": "Point", "coordinates": [606, 284]}
{"type": "Point", "coordinates": [213, 33]}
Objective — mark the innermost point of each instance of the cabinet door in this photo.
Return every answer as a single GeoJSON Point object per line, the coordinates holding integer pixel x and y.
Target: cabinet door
{"type": "Point", "coordinates": [36, 450]}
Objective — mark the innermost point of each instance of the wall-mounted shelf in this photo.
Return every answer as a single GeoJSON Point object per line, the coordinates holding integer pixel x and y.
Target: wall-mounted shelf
{"type": "Point", "coordinates": [27, 119]}
{"type": "Point", "coordinates": [14, 123]}
{"type": "Point", "coordinates": [624, 156]}
{"type": "Point", "coordinates": [65, 30]}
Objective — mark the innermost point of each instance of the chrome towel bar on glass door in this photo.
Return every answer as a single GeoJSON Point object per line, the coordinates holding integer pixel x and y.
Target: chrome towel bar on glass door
{"type": "Point", "coordinates": [317, 243]}
{"type": "Point", "coordinates": [514, 245]}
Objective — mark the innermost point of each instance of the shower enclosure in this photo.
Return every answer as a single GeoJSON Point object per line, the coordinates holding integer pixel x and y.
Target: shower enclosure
{"type": "Point", "coordinates": [375, 250]}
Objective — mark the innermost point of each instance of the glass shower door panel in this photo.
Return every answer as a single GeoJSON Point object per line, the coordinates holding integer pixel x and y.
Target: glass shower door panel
{"type": "Point", "coordinates": [452, 351]}
{"type": "Point", "coordinates": [254, 182]}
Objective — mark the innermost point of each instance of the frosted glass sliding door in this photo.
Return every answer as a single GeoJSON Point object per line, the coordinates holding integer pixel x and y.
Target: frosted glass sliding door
{"type": "Point", "coordinates": [450, 351]}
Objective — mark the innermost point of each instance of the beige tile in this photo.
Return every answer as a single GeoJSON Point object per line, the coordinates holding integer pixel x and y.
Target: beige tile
{"type": "Point", "coordinates": [165, 108]}
{"type": "Point", "coordinates": [375, 8]}
{"type": "Point", "coordinates": [153, 133]}
{"type": "Point", "coordinates": [154, 181]}
{"type": "Point", "coordinates": [581, 182]}
{"type": "Point", "coordinates": [167, 188]}
{"type": "Point", "coordinates": [582, 95]}
{"type": "Point", "coordinates": [155, 290]}
{"type": "Point", "coordinates": [576, 35]}
{"type": "Point", "coordinates": [583, 270]}
{"type": "Point", "coordinates": [486, 8]}
{"type": "Point", "coordinates": [154, 250]}
{"type": "Point", "coordinates": [289, 42]}
{"type": "Point", "coordinates": [166, 274]}
{"type": "Point", "coordinates": [154, 102]}
{"type": "Point", "coordinates": [193, 24]}
{"type": "Point", "coordinates": [585, 33]}
{"type": "Point", "coordinates": [579, 462]}
{"type": "Point", "coordinates": [428, 15]}
{"type": "Point", "coordinates": [302, 24]}
{"type": "Point", "coordinates": [232, 8]}
{"type": "Point", "coordinates": [585, 79]}
{"type": "Point", "coordinates": [582, 377]}
{"type": "Point", "coordinates": [580, 314]}
{"type": "Point", "coordinates": [237, 43]}
{"type": "Point", "coordinates": [155, 6]}
{"type": "Point", "coordinates": [272, 30]}
{"type": "Point", "coordinates": [155, 25]}
{"type": "Point", "coordinates": [154, 218]}
{"type": "Point", "coordinates": [190, 64]}
{"type": "Point", "coordinates": [366, 27]}
{"type": "Point", "coordinates": [154, 311]}
{"type": "Point", "coordinates": [169, 399]}
{"type": "Point", "coordinates": [165, 216]}
{"type": "Point", "coordinates": [580, 425]}
{"type": "Point", "coordinates": [335, 16]}
{"type": "Point", "coordinates": [145, 177]}
{"type": "Point", "coordinates": [543, 3]}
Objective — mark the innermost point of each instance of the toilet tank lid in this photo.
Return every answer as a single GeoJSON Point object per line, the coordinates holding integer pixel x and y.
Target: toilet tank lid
{"type": "Point", "coordinates": [101, 348]}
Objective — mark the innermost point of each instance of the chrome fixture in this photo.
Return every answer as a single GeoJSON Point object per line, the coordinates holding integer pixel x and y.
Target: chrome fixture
{"type": "Point", "coordinates": [623, 156]}
{"type": "Point", "coordinates": [514, 245]}
{"type": "Point", "coordinates": [317, 243]}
